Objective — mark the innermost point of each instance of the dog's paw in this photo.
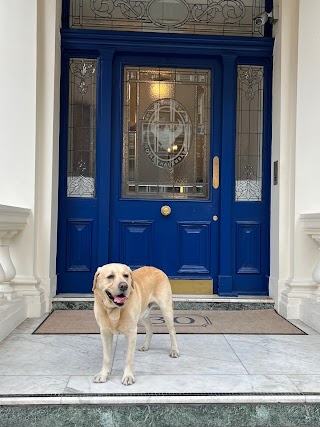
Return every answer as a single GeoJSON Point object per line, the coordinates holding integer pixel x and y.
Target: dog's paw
{"type": "Point", "coordinates": [127, 379]}
{"type": "Point", "coordinates": [100, 378]}
{"type": "Point", "coordinates": [174, 353]}
{"type": "Point", "coordinates": [144, 348]}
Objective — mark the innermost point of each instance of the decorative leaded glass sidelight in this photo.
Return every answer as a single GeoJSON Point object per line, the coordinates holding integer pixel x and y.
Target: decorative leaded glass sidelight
{"type": "Point", "coordinates": [222, 17]}
{"type": "Point", "coordinates": [166, 133]}
{"type": "Point", "coordinates": [82, 128]}
{"type": "Point", "coordinates": [249, 133]}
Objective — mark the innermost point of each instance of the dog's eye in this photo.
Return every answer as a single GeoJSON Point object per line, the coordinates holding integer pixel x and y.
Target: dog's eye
{"type": "Point", "coordinates": [111, 276]}
{"type": "Point", "coordinates": [126, 275]}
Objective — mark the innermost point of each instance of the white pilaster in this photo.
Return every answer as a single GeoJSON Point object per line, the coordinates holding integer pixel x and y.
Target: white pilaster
{"type": "Point", "coordinates": [283, 144]}
{"type": "Point", "coordinates": [301, 194]}
{"type": "Point", "coordinates": [47, 120]}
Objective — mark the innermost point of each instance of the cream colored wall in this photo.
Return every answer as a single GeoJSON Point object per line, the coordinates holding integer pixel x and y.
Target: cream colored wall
{"type": "Point", "coordinates": [299, 147]}
{"type": "Point", "coordinates": [18, 47]}
{"type": "Point", "coordinates": [30, 52]}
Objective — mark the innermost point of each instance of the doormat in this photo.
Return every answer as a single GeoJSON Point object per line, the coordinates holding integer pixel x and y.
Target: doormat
{"type": "Point", "coordinates": [265, 321]}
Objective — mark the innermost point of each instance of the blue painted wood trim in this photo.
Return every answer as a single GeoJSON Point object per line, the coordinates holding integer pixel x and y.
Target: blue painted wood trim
{"type": "Point", "coordinates": [268, 27]}
{"type": "Point", "coordinates": [267, 144]}
{"type": "Point", "coordinates": [227, 177]}
{"type": "Point", "coordinates": [65, 14]}
{"type": "Point", "coordinates": [225, 286]}
{"type": "Point", "coordinates": [103, 163]}
{"type": "Point", "coordinates": [63, 138]}
{"type": "Point", "coordinates": [128, 42]}
{"type": "Point", "coordinates": [216, 134]}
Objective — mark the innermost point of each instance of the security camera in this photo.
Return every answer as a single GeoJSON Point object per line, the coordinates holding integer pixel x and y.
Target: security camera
{"type": "Point", "coordinates": [261, 19]}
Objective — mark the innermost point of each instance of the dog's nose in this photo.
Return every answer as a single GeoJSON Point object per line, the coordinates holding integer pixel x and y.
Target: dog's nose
{"type": "Point", "coordinates": [123, 286]}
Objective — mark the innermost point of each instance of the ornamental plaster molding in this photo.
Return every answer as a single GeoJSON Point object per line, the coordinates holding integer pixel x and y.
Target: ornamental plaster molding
{"type": "Point", "coordinates": [311, 225]}
{"type": "Point", "coordinates": [13, 218]}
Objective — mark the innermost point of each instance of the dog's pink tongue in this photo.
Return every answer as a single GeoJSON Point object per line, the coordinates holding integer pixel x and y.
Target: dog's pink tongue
{"type": "Point", "coordinates": [120, 300]}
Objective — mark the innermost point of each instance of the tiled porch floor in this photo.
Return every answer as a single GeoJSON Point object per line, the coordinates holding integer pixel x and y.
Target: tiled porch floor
{"type": "Point", "coordinates": [64, 365]}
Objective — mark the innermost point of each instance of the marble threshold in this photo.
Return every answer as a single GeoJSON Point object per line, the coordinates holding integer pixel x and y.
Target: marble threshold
{"type": "Point", "coordinates": [179, 298]}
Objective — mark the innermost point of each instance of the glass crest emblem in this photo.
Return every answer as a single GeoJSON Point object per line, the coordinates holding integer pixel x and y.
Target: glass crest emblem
{"type": "Point", "coordinates": [166, 133]}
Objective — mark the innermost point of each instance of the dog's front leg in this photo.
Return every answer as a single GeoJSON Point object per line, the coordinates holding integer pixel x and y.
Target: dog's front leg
{"type": "Point", "coordinates": [107, 339]}
{"type": "Point", "coordinates": [131, 340]}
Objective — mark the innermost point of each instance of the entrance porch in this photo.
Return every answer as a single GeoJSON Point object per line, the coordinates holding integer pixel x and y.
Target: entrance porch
{"type": "Point", "coordinates": [219, 380]}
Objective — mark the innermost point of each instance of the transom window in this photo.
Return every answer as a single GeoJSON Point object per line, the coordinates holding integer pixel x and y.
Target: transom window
{"type": "Point", "coordinates": [221, 17]}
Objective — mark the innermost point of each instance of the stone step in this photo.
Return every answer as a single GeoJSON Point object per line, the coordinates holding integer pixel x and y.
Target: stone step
{"type": "Point", "coordinates": [227, 410]}
{"type": "Point", "coordinates": [181, 302]}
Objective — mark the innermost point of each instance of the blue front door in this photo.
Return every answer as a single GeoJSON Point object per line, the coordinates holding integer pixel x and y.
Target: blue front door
{"type": "Point", "coordinates": [165, 158]}
{"type": "Point", "coordinates": [166, 132]}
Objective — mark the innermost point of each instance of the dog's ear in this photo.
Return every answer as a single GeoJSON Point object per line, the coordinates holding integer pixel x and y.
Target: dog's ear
{"type": "Point", "coordinates": [96, 278]}
{"type": "Point", "coordinates": [132, 281]}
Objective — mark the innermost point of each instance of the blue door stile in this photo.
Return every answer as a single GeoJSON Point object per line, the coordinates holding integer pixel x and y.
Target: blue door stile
{"type": "Point", "coordinates": [225, 280]}
{"type": "Point", "coordinates": [104, 138]}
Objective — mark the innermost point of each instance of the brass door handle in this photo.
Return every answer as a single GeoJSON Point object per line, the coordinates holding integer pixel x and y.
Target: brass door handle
{"type": "Point", "coordinates": [215, 172]}
{"type": "Point", "coordinates": [166, 210]}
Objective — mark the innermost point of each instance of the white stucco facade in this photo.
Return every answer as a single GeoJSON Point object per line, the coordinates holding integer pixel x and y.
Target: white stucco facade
{"type": "Point", "coordinates": [29, 145]}
{"type": "Point", "coordinates": [295, 145]}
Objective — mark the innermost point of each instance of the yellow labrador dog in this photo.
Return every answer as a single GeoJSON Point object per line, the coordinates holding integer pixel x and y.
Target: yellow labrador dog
{"type": "Point", "coordinates": [122, 298]}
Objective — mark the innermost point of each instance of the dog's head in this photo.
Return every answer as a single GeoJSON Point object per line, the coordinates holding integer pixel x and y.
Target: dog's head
{"type": "Point", "coordinates": [114, 284]}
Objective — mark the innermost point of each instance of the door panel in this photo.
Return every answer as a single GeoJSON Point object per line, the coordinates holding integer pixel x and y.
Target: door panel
{"type": "Point", "coordinates": [196, 236]}
{"type": "Point", "coordinates": [162, 202]}
{"type": "Point", "coordinates": [133, 235]}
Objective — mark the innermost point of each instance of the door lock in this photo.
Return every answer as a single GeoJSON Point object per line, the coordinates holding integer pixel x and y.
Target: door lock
{"type": "Point", "coordinates": [166, 210]}
{"type": "Point", "coordinates": [215, 218]}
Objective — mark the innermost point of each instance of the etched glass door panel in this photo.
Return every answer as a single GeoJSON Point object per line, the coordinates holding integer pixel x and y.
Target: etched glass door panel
{"type": "Point", "coordinates": [166, 133]}
{"type": "Point", "coordinates": [81, 174]}
{"type": "Point", "coordinates": [249, 147]}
